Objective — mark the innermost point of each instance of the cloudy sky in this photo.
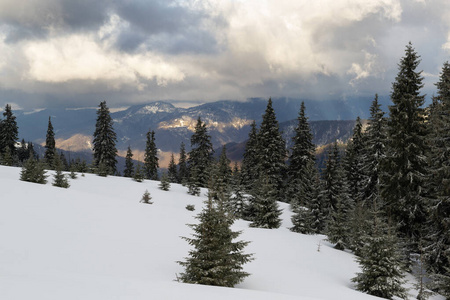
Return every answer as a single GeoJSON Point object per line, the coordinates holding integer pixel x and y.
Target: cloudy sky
{"type": "Point", "coordinates": [75, 53]}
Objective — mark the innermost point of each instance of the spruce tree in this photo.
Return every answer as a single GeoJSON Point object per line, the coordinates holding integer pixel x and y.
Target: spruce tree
{"type": "Point", "coordinates": [165, 183]}
{"type": "Point", "coordinates": [405, 166]}
{"type": "Point", "coordinates": [264, 205]}
{"type": "Point", "coordinates": [222, 175]}
{"type": "Point", "coordinates": [151, 164]}
{"type": "Point", "coordinates": [200, 156]}
{"type": "Point", "coordinates": [183, 173]}
{"type": "Point", "coordinates": [249, 169]}
{"type": "Point", "coordinates": [215, 258]}
{"type": "Point", "coordinates": [172, 169]}
{"type": "Point", "coordinates": [59, 179]}
{"type": "Point", "coordinates": [302, 154]}
{"type": "Point", "coordinates": [22, 152]}
{"type": "Point", "coordinates": [305, 218]}
{"type": "Point", "coordinates": [8, 132]}
{"type": "Point", "coordinates": [380, 260]}
{"type": "Point", "coordinates": [338, 227]}
{"type": "Point", "coordinates": [129, 165]}
{"type": "Point", "coordinates": [50, 146]}
{"type": "Point", "coordinates": [138, 175]}
{"type": "Point", "coordinates": [237, 201]}
{"type": "Point", "coordinates": [272, 151]}
{"type": "Point", "coordinates": [105, 141]}
{"type": "Point", "coordinates": [438, 235]}
{"type": "Point", "coordinates": [146, 198]}
{"type": "Point", "coordinates": [33, 171]}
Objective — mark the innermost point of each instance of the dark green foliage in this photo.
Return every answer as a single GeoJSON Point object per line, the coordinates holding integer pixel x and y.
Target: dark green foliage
{"type": "Point", "coordinates": [172, 169]}
{"type": "Point", "coordinates": [105, 141]}
{"type": "Point", "coordinates": [215, 258]}
{"type": "Point", "coordinates": [151, 164]}
{"type": "Point", "coordinates": [338, 230]}
{"type": "Point", "coordinates": [302, 154]}
{"type": "Point", "coordinates": [9, 132]}
{"type": "Point", "coordinates": [237, 202]}
{"type": "Point", "coordinates": [22, 152]}
{"type": "Point", "coordinates": [183, 173]}
{"type": "Point", "coordinates": [221, 176]}
{"type": "Point", "coordinates": [138, 173]}
{"type": "Point", "coordinates": [190, 207]}
{"type": "Point", "coordinates": [102, 170]}
{"type": "Point", "coordinates": [146, 198]}
{"type": "Point", "coordinates": [193, 184]}
{"type": "Point", "coordinates": [200, 156]}
{"type": "Point", "coordinates": [7, 158]}
{"type": "Point", "coordinates": [59, 179]}
{"type": "Point", "coordinates": [304, 203]}
{"type": "Point", "coordinates": [272, 151]}
{"type": "Point", "coordinates": [438, 236]}
{"type": "Point", "coordinates": [50, 146]}
{"type": "Point", "coordinates": [165, 183]}
{"type": "Point", "coordinates": [263, 201]}
{"type": "Point", "coordinates": [405, 166]}
{"type": "Point", "coordinates": [33, 171]}
{"type": "Point", "coordinates": [381, 264]}
{"type": "Point", "coordinates": [249, 169]}
{"type": "Point", "coordinates": [129, 165]}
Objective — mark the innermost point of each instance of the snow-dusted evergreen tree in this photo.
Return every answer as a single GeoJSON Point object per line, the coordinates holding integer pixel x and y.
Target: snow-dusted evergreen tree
{"type": "Point", "coordinates": [33, 171]}
{"type": "Point", "coordinates": [373, 152]}
{"type": "Point", "coordinates": [263, 201]}
{"type": "Point", "coordinates": [222, 175]}
{"type": "Point", "coordinates": [172, 170]}
{"type": "Point", "coordinates": [165, 183]}
{"type": "Point", "coordinates": [338, 229]}
{"type": "Point", "coordinates": [272, 151]}
{"type": "Point", "coordinates": [380, 260]}
{"type": "Point", "coordinates": [183, 173]}
{"type": "Point", "coordinates": [306, 217]}
{"type": "Point", "coordinates": [216, 259]}
{"type": "Point", "coordinates": [138, 175]}
{"type": "Point", "coordinates": [59, 179]}
{"type": "Point", "coordinates": [237, 201]}
{"type": "Point", "coordinates": [200, 156]}
{"type": "Point", "coordinates": [250, 165]}
{"type": "Point", "coordinates": [146, 198]}
{"type": "Point", "coordinates": [129, 165]}
{"type": "Point", "coordinates": [438, 239]}
{"type": "Point", "coordinates": [105, 139]}
{"type": "Point", "coordinates": [302, 154]}
{"type": "Point", "coordinates": [50, 146]}
{"type": "Point", "coordinates": [151, 164]}
{"type": "Point", "coordinates": [8, 132]}
{"type": "Point", "coordinates": [7, 159]}
{"type": "Point", "coordinates": [236, 175]}
{"type": "Point", "coordinates": [193, 184]}
{"type": "Point", "coordinates": [354, 166]}
{"type": "Point", "coordinates": [330, 189]}
{"type": "Point", "coordinates": [405, 166]}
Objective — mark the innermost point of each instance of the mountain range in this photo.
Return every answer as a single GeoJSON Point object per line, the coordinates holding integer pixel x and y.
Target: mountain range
{"type": "Point", "coordinates": [228, 123]}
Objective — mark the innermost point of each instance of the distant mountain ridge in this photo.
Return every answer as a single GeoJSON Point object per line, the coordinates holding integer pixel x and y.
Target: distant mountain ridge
{"type": "Point", "coordinates": [228, 122]}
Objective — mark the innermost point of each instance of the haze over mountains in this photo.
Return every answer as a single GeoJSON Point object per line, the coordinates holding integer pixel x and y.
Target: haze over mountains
{"type": "Point", "coordinates": [228, 122]}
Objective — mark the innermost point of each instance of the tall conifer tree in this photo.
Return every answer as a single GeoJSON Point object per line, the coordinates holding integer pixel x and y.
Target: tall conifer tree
{"type": "Point", "coordinates": [183, 173]}
{"type": "Point", "coordinates": [151, 164]}
{"type": "Point", "coordinates": [249, 169]}
{"type": "Point", "coordinates": [172, 170]}
{"type": "Point", "coordinates": [105, 139]}
{"type": "Point", "coordinates": [405, 166]}
{"type": "Point", "coordinates": [129, 165]}
{"type": "Point", "coordinates": [9, 132]}
{"type": "Point", "coordinates": [272, 151]}
{"type": "Point", "coordinates": [200, 156]}
{"type": "Point", "coordinates": [438, 239]}
{"type": "Point", "coordinates": [50, 145]}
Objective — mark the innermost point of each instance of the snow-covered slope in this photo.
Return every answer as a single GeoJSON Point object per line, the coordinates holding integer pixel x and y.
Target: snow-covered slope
{"type": "Point", "coordinates": [96, 241]}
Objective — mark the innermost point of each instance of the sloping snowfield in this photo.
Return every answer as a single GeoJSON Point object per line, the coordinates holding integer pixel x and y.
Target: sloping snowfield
{"type": "Point", "coordinates": [95, 241]}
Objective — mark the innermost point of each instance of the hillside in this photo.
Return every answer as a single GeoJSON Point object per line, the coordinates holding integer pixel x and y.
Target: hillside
{"type": "Point", "coordinates": [96, 241]}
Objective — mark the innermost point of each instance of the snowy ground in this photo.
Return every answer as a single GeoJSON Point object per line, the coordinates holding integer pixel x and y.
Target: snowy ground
{"type": "Point", "coordinates": [96, 241]}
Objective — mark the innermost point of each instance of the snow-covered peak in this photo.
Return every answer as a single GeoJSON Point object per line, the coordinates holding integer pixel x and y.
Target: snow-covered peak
{"type": "Point", "coordinates": [156, 107]}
